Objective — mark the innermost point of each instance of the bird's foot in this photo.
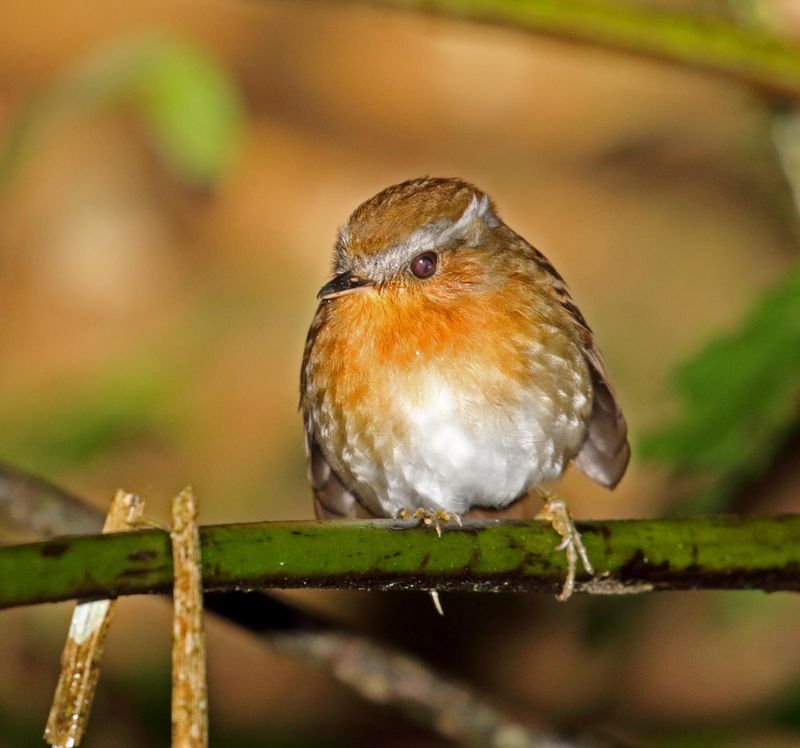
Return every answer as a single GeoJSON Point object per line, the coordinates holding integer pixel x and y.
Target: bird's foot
{"type": "Point", "coordinates": [556, 512]}
{"type": "Point", "coordinates": [434, 518]}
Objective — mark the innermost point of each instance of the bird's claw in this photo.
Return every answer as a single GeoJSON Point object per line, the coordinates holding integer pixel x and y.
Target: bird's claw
{"type": "Point", "coordinates": [563, 544]}
{"type": "Point", "coordinates": [431, 517]}
{"type": "Point", "coordinates": [556, 512]}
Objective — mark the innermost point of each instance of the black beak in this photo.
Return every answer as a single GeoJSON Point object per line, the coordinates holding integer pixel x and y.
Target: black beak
{"type": "Point", "coordinates": [342, 284]}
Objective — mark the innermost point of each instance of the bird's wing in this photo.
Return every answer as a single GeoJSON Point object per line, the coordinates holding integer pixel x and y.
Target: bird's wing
{"type": "Point", "coordinates": [605, 453]}
{"type": "Point", "coordinates": [331, 499]}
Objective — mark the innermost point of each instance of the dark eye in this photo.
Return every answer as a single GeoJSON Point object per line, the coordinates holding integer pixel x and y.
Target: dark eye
{"type": "Point", "coordinates": [424, 265]}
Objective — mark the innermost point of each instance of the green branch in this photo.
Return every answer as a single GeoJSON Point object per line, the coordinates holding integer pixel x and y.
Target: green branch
{"type": "Point", "coordinates": [630, 556]}
{"type": "Point", "coordinates": [741, 52]}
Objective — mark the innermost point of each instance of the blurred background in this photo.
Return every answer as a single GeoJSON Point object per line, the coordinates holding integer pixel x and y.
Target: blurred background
{"type": "Point", "coordinates": [172, 177]}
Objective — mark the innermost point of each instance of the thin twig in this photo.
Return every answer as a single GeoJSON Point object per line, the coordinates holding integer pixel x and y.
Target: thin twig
{"type": "Point", "coordinates": [80, 660]}
{"type": "Point", "coordinates": [189, 689]}
{"type": "Point", "coordinates": [383, 674]}
{"type": "Point", "coordinates": [37, 506]}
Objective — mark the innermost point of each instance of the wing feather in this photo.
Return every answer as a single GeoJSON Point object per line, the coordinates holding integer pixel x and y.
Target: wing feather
{"type": "Point", "coordinates": [332, 500]}
{"type": "Point", "coordinates": [605, 453]}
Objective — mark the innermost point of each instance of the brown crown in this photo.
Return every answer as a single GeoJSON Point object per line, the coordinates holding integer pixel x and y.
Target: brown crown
{"type": "Point", "coordinates": [391, 215]}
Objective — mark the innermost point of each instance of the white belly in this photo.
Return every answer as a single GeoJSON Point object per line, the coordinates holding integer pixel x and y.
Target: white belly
{"type": "Point", "coordinates": [462, 451]}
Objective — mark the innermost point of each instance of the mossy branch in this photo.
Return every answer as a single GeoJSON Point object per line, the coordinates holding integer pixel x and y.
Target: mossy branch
{"type": "Point", "coordinates": [714, 44]}
{"type": "Point", "coordinates": [630, 556]}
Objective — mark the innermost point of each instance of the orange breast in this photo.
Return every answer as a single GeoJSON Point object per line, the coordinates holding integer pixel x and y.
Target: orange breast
{"type": "Point", "coordinates": [372, 346]}
{"type": "Point", "coordinates": [492, 359]}
{"type": "Point", "coordinates": [373, 337]}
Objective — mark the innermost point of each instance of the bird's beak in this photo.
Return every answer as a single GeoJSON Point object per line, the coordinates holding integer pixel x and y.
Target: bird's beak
{"type": "Point", "coordinates": [341, 285]}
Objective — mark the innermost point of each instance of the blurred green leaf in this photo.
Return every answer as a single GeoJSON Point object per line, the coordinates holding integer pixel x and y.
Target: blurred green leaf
{"type": "Point", "coordinates": [785, 712]}
{"type": "Point", "coordinates": [741, 399]}
{"type": "Point", "coordinates": [77, 427]}
{"type": "Point", "coordinates": [191, 106]}
{"type": "Point", "coordinates": [187, 102]}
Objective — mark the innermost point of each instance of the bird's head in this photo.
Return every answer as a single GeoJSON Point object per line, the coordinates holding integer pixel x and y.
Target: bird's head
{"type": "Point", "coordinates": [422, 238]}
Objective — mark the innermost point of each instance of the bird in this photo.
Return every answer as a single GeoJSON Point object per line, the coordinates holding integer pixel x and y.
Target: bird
{"type": "Point", "coordinates": [448, 372]}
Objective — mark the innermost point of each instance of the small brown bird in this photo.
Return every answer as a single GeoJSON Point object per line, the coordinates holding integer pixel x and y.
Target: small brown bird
{"type": "Point", "coordinates": [447, 369]}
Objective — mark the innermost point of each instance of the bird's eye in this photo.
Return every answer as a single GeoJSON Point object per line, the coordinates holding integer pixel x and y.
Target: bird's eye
{"type": "Point", "coordinates": [424, 265]}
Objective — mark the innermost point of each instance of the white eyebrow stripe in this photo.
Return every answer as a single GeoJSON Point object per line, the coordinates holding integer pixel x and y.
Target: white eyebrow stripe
{"type": "Point", "coordinates": [426, 238]}
{"type": "Point", "coordinates": [430, 237]}
{"type": "Point", "coordinates": [479, 209]}
{"type": "Point", "coordinates": [384, 264]}
{"type": "Point", "coordinates": [445, 230]}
